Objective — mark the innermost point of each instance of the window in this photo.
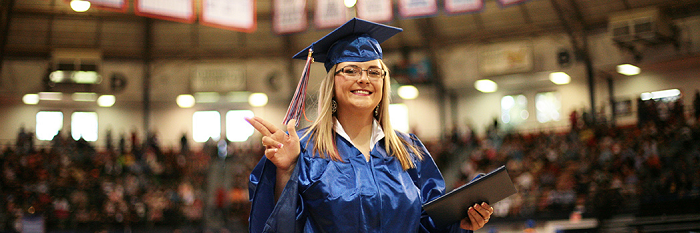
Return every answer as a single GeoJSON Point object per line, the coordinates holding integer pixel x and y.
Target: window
{"type": "Point", "coordinates": [84, 125]}
{"type": "Point", "coordinates": [399, 117]}
{"type": "Point", "coordinates": [48, 123]}
{"type": "Point", "coordinates": [205, 125]}
{"type": "Point", "coordinates": [237, 128]}
{"type": "Point", "coordinates": [514, 109]}
{"type": "Point", "coordinates": [548, 106]}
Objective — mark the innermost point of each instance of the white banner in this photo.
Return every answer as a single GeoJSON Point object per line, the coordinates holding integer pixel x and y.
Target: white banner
{"type": "Point", "coordinates": [218, 78]}
{"type": "Point", "coordinates": [289, 16]}
{"type": "Point", "coordinates": [506, 58]}
{"type": "Point", "coordinates": [178, 10]}
{"type": "Point", "coordinates": [236, 15]}
{"type": "Point", "coordinates": [330, 13]}
{"type": "Point", "coordinates": [113, 4]}
{"type": "Point", "coordinates": [375, 10]}
{"type": "Point", "coordinates": [463, 6]}
{"type": "Point", "coordinates": [417, 8]}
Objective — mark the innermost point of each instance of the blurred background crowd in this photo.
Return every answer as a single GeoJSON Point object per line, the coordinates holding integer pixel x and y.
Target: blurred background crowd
{"type": "Point", "coordinates": [593, 170]}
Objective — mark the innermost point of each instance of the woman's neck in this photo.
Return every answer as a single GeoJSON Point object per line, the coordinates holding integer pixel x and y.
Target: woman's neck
{"type": "Point", "coordinates": [357, 126]}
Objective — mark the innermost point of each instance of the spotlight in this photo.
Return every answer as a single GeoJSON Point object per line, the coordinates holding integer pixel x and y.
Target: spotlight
{"type": "Point", "coordinates": [257, 99]}
{"type": "Point", "coordinates": [185, 101]}
{"type": "Point", "coordinates": [628, 69]}
{"type": "Point", "coordinates": [408, 92]}
{"type": "Point", "coordinates": [30, 99]}
{"type": "Point", "coordinates": [80, 5]}
{"type": "Point", "coordinates": [106, 100]}
{"type": "Point", "coordinates": [559, 78]}
{"type": "Point", "coordinates": [350, 3]}
{"type": "Point", "coordinates": [486, 85]}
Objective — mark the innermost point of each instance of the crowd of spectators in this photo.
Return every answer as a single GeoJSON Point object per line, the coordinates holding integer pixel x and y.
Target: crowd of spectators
{"type": "Point", "coordinates": [74, 187]}
{"type": "Point", "coordinates": [647, 169]}
{"type": "Point", "coordinates": [594, 170]}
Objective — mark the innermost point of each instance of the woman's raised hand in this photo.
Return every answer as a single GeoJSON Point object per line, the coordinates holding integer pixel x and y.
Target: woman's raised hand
{"type": "Point", "coordinates": [281, 148]}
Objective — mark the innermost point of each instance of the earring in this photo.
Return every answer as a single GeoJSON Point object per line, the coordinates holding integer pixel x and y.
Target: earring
{"type": "Point", "coordinates": [376, 111]}
{"type": "Point", "coordinates": [334, 106]}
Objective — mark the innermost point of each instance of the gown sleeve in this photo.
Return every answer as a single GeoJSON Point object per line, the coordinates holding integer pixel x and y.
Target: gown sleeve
{"type": "Point", "coordinates": [429, 180]}
{"type": "Point", "coordinates": [287, 214]}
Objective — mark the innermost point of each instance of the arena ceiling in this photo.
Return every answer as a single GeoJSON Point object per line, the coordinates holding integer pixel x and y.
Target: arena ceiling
{"type": "Point", "coordinates": [33, 28]}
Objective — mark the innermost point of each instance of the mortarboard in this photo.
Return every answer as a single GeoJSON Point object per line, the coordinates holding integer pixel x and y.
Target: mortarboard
{"type": "Point", "coordinates": [357, 40]}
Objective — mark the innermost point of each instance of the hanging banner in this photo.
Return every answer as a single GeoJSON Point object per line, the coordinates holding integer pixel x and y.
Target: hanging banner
{"type": "Point", "coordinates": [417, 8]}
{"type": "Point", "coordinates": [175, 10]}
{"type": "Point", "coordinates": [463, 6]}
{"type": "Point", "coordinates": [375, 10]}
{"type": "Point", "coordinates": [238, 15]}
{"type": "Point", "coordinates": [289, 16]}
{"type": "Point", "coordinates": [506, 58]}
{"type": "Point", "coordinates": [116, 5]}
{"type": "Point", "coordinates": [505, 3]}
{"type": "Point", "coordinates": [330, 13]}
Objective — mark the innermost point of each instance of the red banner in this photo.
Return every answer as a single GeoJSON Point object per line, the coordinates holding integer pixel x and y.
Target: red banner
{"type": "Point", "coordinates": [115, 5]}
{"type": "Point", "coordinates": [417, 8]}
{"type": "Point", "coordinates": [175, 10]}
{"type": "Point", "coordinates": [330, 13]}
{"type": "Point", "coordinates": [238, 15]}
{"type": "Point", "coordinates": [375, 10]}
{"type": "Point", "coordinates": [463, 6]}
{"type": "Point", "coordinates": [505, 3]}
{"type": "Point", "coordinates": [289, 16]}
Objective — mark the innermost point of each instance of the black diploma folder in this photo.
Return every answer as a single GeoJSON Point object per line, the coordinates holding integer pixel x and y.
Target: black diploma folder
{"type": "Point", "coordinates": [452, 207]}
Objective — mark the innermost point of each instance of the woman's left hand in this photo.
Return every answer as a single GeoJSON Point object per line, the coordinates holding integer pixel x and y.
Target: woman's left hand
{"type": "Point", "coordinates": [479, 215]}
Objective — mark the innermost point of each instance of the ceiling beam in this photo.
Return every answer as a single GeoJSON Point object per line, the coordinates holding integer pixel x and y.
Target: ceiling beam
{"type": "Point", "coordinates": [627, 4]}
{"type": "Point", "coordinates": [579, 16]}
{"type": "Point", "coordinates": [682, 10]}
{"type": "Point", "coordinates": [5, 18]}
{"type": "Point", "coordinates": [579, 40]}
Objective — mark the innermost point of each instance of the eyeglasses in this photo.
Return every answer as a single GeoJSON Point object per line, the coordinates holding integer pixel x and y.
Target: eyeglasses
{"type": "Point", "coordinates": [354, 72]}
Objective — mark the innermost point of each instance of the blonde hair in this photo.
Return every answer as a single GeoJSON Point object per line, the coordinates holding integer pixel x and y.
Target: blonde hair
{"type": "Point", "coordinates": [323, 133]}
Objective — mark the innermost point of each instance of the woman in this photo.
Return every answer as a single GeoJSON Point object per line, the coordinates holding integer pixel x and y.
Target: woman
{"type": "Point", "coordinates": [349, 171]}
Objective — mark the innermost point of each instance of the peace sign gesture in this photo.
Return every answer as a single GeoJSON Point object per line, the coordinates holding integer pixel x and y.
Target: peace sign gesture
{"type": "Point", "coordinates": [281, 148]}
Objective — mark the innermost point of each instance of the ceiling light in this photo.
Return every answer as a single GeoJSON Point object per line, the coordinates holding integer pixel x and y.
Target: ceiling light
{"type": "Point", "coordinates": [559, 78]}
{"type": "Point", "coordinates": [408, 92]}
{"type": "Point", "coordinates": [80, 5]}
{"type": "Point", "coordinates": [628, 69]}
{"type": "Point", "coordinates": [106, 101]}
{"type": "Point", "coordinates": [671, 93]}
{"type": "Point", "coordinates": [257, 99]}
{"type": "Point", "coordinates": [185, 101]}
{"type": "Point", "coordinates": [350, 3]}
{"type": "Point", "coordinates": [486, 85]}
{"type": "Point", "coordinates": [30, 99]}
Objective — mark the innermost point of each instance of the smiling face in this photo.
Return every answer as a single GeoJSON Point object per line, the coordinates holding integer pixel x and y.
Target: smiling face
{"type": "Point", "coordinates": [358, 94]}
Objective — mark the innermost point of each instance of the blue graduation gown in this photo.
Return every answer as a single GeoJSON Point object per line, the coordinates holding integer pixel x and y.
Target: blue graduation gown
{"type": "Point", "coordinates": [355, 195]}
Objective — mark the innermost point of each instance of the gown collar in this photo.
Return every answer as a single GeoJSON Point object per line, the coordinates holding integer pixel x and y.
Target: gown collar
{"type": "Point", "coordinates": [377, 133]}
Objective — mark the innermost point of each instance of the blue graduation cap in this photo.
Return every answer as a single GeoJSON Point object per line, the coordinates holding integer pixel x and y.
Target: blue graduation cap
{"type": "Point", "coordinates": [357, 40]}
